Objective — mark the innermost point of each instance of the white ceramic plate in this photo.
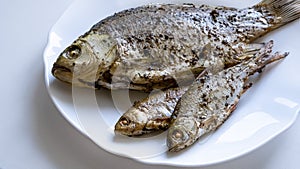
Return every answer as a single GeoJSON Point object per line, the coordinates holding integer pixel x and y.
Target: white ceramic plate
{"type": "Point", "coordinates": [266, 110]}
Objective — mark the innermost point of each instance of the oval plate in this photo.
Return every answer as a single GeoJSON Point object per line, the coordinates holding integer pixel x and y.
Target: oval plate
{"type": "Point", "coordinates": [266, 110]}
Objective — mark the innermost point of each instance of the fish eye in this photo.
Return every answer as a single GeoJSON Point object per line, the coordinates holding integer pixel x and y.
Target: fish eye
{"type": "Point", "coordinates": [73, 52]}
{"type": "Point", "coordinates": [124, 122]}
{"type": "Point", "coordinates": [178, 134]}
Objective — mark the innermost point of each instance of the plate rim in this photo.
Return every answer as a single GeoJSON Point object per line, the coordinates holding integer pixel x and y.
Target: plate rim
{"type": "Point", "coordinates": [141, 160]}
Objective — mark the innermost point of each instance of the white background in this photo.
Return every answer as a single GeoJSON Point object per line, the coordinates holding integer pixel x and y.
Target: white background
{"type": "Point", "coordinates": [33, 133]}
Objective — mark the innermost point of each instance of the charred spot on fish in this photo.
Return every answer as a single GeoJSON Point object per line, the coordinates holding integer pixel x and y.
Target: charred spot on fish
{"type": "Point", "coordinates": [196, 19]}
{"type": "Point", "coordinates": [161, 8]}
{"type": "Point", "coordinates": [214, 14]}
{"type": "Point", "coordinates": [136, 103]}
{"type": "Point", "coordinates": [201, 80]}
{"type": "Point", "coordinates": [260, 70]}
{"type": "Point", "coordinates": [194, 52]}
{"type": "Point", "coordinates": [164, 127]}
{"type": "Point", "coordinates": [224, 42]}
{"type": "Point", "coordinates": [194, 61]}
{"type": "Point", "coordinates": [107, 76]}
{"type": "Point", "coordinates": [166, 37]}
{"type": "Point", "coordinates": [189, 4]}
{"type": "Point", "coordinates": [231, 18]}
{"type": "Point", "coordinates": [98, 86]}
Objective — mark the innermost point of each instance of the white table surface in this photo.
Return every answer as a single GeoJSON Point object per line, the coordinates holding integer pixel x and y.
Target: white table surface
{"type": "Point", "coordinates": [35, 135]}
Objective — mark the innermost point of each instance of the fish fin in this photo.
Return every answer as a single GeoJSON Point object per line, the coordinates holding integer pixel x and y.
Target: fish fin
{"type": "Point", "coordinates": [253, 47]}
{"type": "Point", "coordinates": [263, 58]}
{"type": "Point", "coordinates": [249, 52]}
{"type": "Point", "coordinates": [286, 10]}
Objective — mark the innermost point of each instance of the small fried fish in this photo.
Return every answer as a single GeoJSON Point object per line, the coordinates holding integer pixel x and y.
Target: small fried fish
{"type": "Point", "coordinates": [155, 46]}
{"type": "Point", "coordinates": [151, 114]}
{"type": "Point", "coordinates": [212, 98]}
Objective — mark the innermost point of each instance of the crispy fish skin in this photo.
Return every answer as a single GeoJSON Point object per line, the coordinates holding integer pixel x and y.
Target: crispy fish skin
{"type": "Point", "coordinates": [155, 46]}
{"type": "Point", "coordinates": [212, 98]}
{"type": "Point", "coordinates": [131, 124]}
{"type": "Point", "coordinates": [151, 114]}
{"type": "Point", "coordinates": [154, 112]}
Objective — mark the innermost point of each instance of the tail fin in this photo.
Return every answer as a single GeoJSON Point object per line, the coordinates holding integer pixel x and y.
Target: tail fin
{"type": "Point", "coordinates": [286, 10]}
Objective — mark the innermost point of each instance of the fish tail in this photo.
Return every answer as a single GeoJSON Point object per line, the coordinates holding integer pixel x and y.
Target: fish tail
{"type": "Point", "coordinates": [264, 57]}
{"type": "Point", "coordinates": [285, 10]}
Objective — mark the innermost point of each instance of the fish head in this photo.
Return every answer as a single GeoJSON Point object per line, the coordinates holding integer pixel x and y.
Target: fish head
{"type": "Point", "coordinates": [132, 123]}
{"type": "Point", "coordinates": [82, 62]}
{"type": "Point", "coordinates": [181, 134]}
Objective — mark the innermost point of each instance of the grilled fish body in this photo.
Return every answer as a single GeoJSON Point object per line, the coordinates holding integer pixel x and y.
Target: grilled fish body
{"type": "Point", "coordinates": [131, 124]}
{"type": "Point", "coordinates": [151, 114]}
{"type": "Point", "coordinates": [159, 46]}
{"type": "Point", "coordinates": [212, 98]}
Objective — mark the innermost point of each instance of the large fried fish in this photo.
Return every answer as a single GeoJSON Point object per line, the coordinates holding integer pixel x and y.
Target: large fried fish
{"type": "Point", "coordinates": [159, 46]}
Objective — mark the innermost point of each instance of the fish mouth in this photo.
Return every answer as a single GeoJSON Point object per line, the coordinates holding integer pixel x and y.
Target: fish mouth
{"type": "Point", "coordinates": [125, 127]}
{"type": "Point", "coordinates": [59, 67]}
{"type": "Point", "coordinates": [176, 147]}
{"type": "Point", "coordinates": [176, 139]}
{"type": "Point", "coordinates": [62, 73]}
{"type": "Point", "coordinates": [172, 147]}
